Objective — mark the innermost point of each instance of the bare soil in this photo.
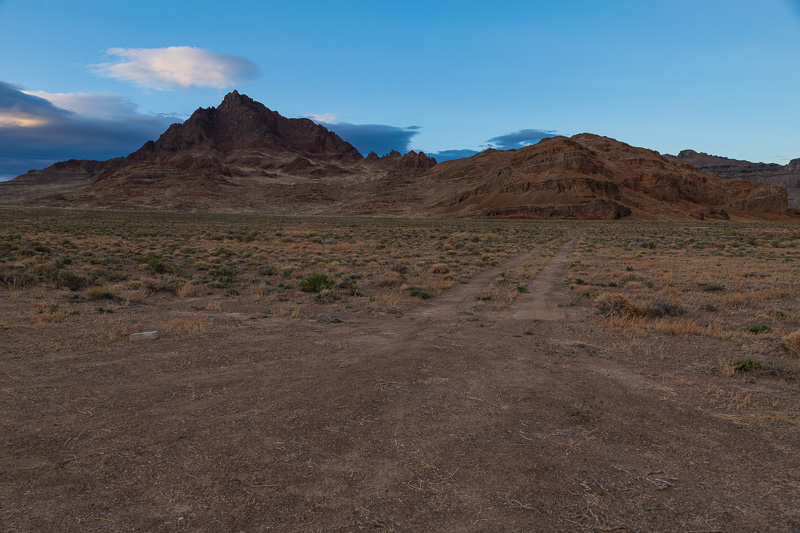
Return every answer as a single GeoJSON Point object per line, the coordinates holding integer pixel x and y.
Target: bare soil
{"type": "Point", "coordinates": [451, 416]}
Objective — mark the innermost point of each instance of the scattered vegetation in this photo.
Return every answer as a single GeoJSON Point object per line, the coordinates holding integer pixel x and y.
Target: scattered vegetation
{"type": "Point", "coordinates": [316, 283]}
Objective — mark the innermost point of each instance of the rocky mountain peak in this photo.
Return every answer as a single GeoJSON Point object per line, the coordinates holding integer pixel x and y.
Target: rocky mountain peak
{"type": "Point", "coordinates": [241, 123]}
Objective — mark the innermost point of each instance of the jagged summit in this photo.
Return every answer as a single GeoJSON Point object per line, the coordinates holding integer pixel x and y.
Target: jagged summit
{"type": "Point", "coordinates": [241, 123]}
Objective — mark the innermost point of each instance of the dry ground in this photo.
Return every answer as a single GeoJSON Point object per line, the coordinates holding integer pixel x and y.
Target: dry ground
{"type": "Point", "coordinates": [448, 375]}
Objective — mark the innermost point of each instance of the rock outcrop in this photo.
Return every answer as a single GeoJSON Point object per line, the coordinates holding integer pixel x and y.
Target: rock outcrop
{"type": "Point", "coordinates": [415, 161]}
{"type": "Point", "coordinates": [784, 175]}
{"type": "Point", "coordinates": [588, 176]}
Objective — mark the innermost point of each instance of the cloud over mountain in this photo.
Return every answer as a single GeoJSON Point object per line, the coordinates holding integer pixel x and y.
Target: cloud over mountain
{"type": "Point", "coordinates": [38, 129]}
{"type": "Point", "coordinates": [378, 138]}
{"type": "Point", "coordinates": [519, 139]}
{"type": "Point", "coordinates": [176, 67]}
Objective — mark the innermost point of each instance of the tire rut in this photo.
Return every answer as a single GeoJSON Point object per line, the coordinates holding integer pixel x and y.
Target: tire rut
{"type": "Point", "coordinates": [540, 302]}
{"type": "Point", "coordinates": [455, 299]}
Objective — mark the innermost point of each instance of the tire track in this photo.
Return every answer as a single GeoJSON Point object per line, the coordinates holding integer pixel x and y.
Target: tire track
{"type": "Point", "coordinates": [540, 302]}
{"type": "Point", "coordinates": [453, 300]}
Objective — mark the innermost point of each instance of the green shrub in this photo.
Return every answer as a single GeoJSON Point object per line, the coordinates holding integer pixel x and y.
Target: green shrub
{"type": "Point", "coordinates": [419, 293]}
{"type": "Point", "coordinates": [67, 279]}
{"type": "Point", "coordinates": [315, 283]}
{"type": "Point", "coordinates": [758, 328]}
{"type": "Point", "coordinates": [267, 270]}
{"type": "Point", "coordinates": [747, 364]}
{"type": "Point", "coordinates": [155, 263]}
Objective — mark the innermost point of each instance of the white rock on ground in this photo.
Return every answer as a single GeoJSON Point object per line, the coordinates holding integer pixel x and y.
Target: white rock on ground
{"type": "Point", "coordinates": [144, 336]}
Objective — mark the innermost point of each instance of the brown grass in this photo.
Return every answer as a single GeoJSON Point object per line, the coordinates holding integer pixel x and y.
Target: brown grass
{"type": "Point", "coordinates": [792, 343]}
{"type": "Point", "coordinates": [187, 290]}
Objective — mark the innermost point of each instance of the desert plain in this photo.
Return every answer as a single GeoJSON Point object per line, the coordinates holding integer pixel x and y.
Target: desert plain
{"type": "Point", "coordinates": [396, 374]}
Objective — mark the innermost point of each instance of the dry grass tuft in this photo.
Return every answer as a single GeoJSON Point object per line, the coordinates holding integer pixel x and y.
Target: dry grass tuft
{"type": "Point", "coordinates": [792, 342]}
{"type": "Point", "coordinates": [440, 268]}
{"type": "Point", "coordinates": [187, 290]}
{"type": "Point", "coordinates": [616, 304]}
{"type": "Point", "coordinates": [99, 293]}
{"type": "Point", "coordinates": [390, 279]}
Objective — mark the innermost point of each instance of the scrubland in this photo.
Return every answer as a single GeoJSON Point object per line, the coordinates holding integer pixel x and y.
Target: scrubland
{"type": "Point", "coordinates": [397, 374]}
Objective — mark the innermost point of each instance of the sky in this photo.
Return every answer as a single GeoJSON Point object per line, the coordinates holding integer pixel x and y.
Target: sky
{"type": "Point", "coordinates": [96, 79]}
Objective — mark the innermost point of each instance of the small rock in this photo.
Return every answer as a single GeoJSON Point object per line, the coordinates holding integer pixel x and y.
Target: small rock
{"type": "Point", "coordinates": [144, 336]}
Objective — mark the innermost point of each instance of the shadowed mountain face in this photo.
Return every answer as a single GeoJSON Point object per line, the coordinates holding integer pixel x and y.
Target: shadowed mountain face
{"type": "Point", "coordinates": [242, 124]}
{"type": "Point", "coordinates": [588, 176]}
{"type": "Point", "coordinates": [241, 156]}
{"type": "Point", "coordinates": [785, 175]}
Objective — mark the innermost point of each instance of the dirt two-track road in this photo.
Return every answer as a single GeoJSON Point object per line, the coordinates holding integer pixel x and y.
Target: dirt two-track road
{"type": "Point", "coordinates": [452, 417]}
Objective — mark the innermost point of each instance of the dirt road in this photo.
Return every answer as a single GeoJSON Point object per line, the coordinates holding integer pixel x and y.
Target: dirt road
{"type": "Point", "coordinates": [523, 419]}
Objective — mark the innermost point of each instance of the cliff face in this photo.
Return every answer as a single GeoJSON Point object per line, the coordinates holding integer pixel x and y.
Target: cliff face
{"type": "Point", "coordinates": [588, 176]}
{"type": "Point", "coordinates": [770, 173]}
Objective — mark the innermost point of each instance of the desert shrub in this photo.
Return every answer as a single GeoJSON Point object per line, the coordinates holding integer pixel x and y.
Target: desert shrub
{"type": "Point", "coordinates": [155, 263]}
{"type": "Point", "coordinates": [390, 279]}
{"type": "Point", "coordinates": [267, 270]}
{"type": "Point", "coordinates": [419, 293]}
{"type": "Point", "coordinates": [222, 272]}
{"type": "Point", "coordinates": [67, 279]}
{"type": "Point", "coordinates": [661, 307]}
{"type": "Point", "coordinates": [326, 295]}
{"type": "Point", "coordinates": [747, 364]}
{"type": "Point", "coordinates": [162, 284]}
{"type": "Point", "coordinates": [315, 283]}
{"type": "Point", "coordinates": [633, 278]}
{"type": "Point", "coordinates": [713, 287]}
{"type": "Point", "coordinates": [99, 293]}
{"type": "Point", "coordinates": [61, 262]}
{"type": "Point", "coordinates": [16, 277]}
{"type": "Point", "coordinates": [616, 304]}
{"type": "Point", "coordinates": [186, 290]}
{"type": "Point", "coordinates": [792, 342]}
{"type": "Point", "coordinates": [440, 268]}
{"type": "Point", "coordinates": [758, 328]}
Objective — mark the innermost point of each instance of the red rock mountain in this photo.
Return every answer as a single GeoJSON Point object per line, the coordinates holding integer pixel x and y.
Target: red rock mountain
{"type": "Point", "coordinates": [786, 175]}
{"type": "Point", "coordinates": [242, 124]}
{"type": "Point", "coordinates": [241, 156]}
{"type": "Point", "coordinates": [588, 176]}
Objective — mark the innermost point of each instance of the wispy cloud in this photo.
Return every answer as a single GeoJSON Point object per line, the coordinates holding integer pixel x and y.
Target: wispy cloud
{"type": "Point", "coordinates": [378, 138]}
{"type": "Point", "coordinates": [322, 118]}
{"type": "Point", "coordinates": [95, 105]}
{"type": "Point", "coordinates": [519, 139]}
{"type": "Point", "coordinates": [176, 67]}
{"type": "Point", "coordinates": [36, 131]}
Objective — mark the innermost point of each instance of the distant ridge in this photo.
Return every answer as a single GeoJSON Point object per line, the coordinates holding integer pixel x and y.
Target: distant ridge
{"type": "Point", "coordinates": [589, 176]}
{"type": "Point", "coordinates": [785, 175]}
{"type": "Point", "coordinates": [242, 156]}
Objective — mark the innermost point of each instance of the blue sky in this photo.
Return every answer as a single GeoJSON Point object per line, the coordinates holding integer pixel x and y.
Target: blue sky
{"type": "Point", "coordinates": [96, 79]}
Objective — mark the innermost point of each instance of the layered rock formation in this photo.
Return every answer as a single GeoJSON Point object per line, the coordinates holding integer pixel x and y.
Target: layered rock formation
{"type": "Point", "coordinates": [588, 176]}
{"type": "Point", "coordinates": [785, 175]}
{"type": "Point", "coordinates": [241, 156]}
